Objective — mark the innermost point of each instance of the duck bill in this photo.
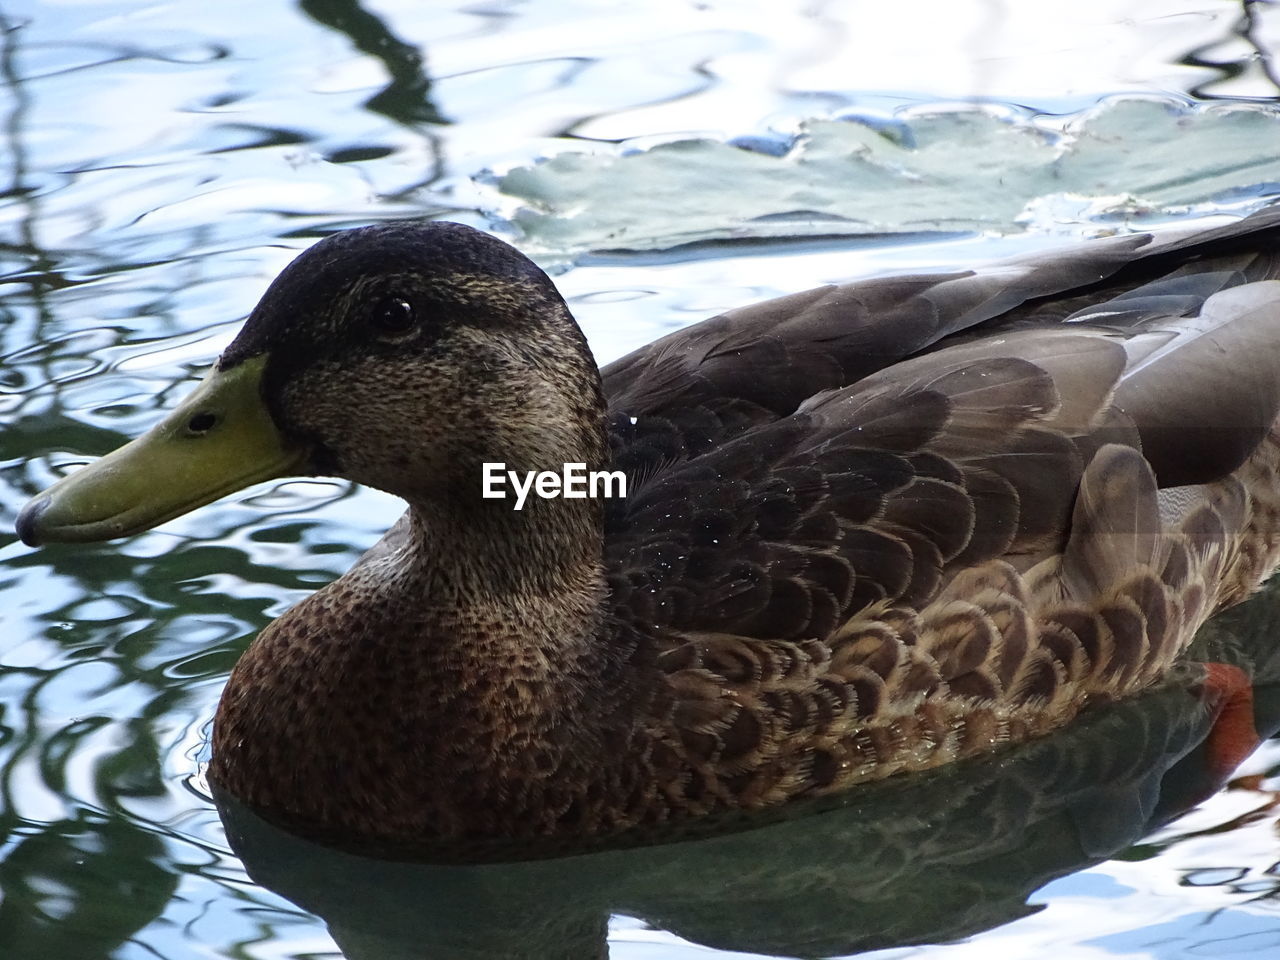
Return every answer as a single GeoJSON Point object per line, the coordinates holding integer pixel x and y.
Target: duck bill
{"type": "Point", "coordinates": [219, 440]}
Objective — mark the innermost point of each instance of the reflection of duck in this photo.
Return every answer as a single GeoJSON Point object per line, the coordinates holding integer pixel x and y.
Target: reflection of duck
{"type": "Point", "coordinates": [870, 528]}
{"type": "Point", "coordinates": [918, 859]}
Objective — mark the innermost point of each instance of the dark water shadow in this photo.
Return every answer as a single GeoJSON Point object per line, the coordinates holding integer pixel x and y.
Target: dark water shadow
{"type": "Point", "coordinates": [1261, 57]}
{"type": "Point", "coordinates": [407, 98]}
{"type": "Point", "coordinates": [78, 889]}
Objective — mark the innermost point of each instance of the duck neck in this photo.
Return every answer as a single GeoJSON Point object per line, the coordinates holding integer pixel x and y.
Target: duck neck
{"type": "Point", "coordinates": [474, 553]}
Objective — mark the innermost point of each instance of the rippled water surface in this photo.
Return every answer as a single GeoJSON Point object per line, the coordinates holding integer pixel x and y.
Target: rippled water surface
{"type": "Point", "coordinates": [160, 162]}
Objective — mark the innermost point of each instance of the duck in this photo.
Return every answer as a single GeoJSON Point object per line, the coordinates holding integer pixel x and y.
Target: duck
{"type": "Point", "coordinates": [864, 530]}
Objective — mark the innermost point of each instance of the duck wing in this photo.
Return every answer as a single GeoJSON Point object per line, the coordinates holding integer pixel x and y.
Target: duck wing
{"type": "Point", "coordinates": [869, 494]}
{"type": "Point", "coordinates": [957, 551]}
{"type": "Point", "coordinates": [777, 353]}
{"type": "Point", "coordinates": [767, 501]}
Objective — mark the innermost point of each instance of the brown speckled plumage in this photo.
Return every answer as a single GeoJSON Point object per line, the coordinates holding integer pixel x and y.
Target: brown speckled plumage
{"type": "Point", "coordinates": [870, 529]}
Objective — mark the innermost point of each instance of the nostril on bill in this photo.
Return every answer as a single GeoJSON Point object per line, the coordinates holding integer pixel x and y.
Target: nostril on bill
{"type": "Point", "coordinates": [202, 422]}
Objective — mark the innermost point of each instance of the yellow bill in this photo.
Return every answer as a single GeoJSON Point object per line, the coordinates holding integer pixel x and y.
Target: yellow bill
{"type": "Point", "coordinates": [219, 440]}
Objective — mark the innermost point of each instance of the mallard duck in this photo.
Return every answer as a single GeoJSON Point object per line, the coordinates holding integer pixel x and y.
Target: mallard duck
{"type": "Point", "coordinates": [868, 529]}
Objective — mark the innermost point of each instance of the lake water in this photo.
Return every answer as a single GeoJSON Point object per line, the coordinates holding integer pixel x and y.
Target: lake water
{"type": "Point", "coordinates": [161, 161]}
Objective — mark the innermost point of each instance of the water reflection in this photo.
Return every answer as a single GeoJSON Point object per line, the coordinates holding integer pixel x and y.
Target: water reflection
{"type": "Point", "coordinates": [407, 98]}
{"type": "Point", "coordinates": [914, 860]}
{"type": "Point", "coordinates": [80, 888]}
{"type": "Point", "coordinates": [1258, 56]}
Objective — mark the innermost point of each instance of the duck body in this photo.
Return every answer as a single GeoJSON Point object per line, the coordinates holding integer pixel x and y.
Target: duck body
{"type": "Point", "coordinates": [868, 529]}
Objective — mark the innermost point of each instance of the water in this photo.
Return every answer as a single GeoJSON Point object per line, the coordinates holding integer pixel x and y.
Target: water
{"type": "Point", "coordinates": [161, 162]}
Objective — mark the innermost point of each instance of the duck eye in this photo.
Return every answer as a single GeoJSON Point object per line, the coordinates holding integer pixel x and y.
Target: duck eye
{"type": "Point", "coordinates": [394, 315]}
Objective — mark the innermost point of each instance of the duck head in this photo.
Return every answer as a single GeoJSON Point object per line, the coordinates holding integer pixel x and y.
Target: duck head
{"type": "Point", "coordinates": [402, 356]}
